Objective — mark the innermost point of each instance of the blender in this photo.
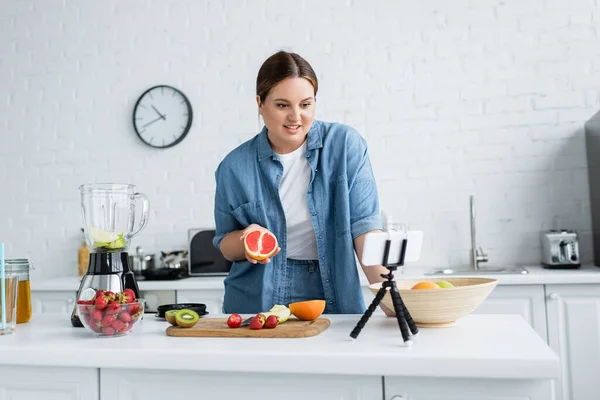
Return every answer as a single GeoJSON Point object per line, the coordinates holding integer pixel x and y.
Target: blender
{"type": "Point", "coordinates": [108, 212]}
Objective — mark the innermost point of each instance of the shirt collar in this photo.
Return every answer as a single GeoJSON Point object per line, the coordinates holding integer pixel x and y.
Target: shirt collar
{"type": "Point", "coordinates": [314, 141]}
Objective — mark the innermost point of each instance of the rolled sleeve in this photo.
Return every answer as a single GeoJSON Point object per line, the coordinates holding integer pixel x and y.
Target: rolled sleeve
{"type": "Point", "coordinates": [364, 200]}
{"type": "Point", "coordinates": [224, 221]}
{"type": "Point", "coordinates": [371, 223]}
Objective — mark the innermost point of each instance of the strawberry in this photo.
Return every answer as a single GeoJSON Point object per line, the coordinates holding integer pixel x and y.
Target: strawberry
{"type": "Point", "coordinates": [109, 330]}
{"type": "Point", "coordinates": [129, 295]}
{"type": "Point", "coordinates": [125, 316]}
{"type": "Point", "coordinates": [112, 308]}
{"type": "Point", "coordinates": [134, 308]}
{"type": "Point", "coordinates": [118, 325]}
{"type": "Point", "coordinates": [234, 321]}
{"type": "Point", "coordinates": [101, 302]}
{"type": "Point", "coordinates": [126, 326]}
{"type": "Point", "coordinates": [99, 293]}
{"type": "Point", "coordinates": [110, 296]}
{"type": "Point", "coordinates": [81, 301]}
{"type": "Point", "coordinates": [271, 322]}
{"type": "Point", "coordinates": [108, 320]}
{"type": "Point", "coordinates": [96, 315]}
{"type": "Point", "coordinates": [97, 327]}
{"type": "Point", "coordinates": [257, 322]}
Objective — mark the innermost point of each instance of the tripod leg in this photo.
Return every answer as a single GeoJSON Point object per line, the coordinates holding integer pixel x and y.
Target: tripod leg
{"type": "Point", "coordinates": [399, 306]}
{"type": "Point", "coordinates": [402, 323]}
{"type": "Point", "coordinates": [361, 324]}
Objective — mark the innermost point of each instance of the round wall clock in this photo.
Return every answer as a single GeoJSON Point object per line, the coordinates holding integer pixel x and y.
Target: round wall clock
{"type": "Point", "coordinates": [162, 116]}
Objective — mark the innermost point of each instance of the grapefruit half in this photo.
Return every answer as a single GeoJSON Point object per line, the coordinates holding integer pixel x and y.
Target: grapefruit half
{"type": "Point", "coordinates": [260, 244]}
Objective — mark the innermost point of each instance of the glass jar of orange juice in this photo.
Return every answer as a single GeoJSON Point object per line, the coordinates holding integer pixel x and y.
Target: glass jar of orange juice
{"type": "Point", "coordinates": [21, 267]}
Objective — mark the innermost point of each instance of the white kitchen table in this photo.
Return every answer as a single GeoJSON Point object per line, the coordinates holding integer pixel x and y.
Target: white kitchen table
{"type": "Point", "coordinates": [486, 356]}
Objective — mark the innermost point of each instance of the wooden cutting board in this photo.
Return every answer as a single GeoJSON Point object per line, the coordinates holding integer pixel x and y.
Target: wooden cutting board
{"type": "Point", "coordinates": [217, 327]}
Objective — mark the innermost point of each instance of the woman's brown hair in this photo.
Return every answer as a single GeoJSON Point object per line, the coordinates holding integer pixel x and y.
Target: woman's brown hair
{"type": "Point", "coordinates": [280, 66]}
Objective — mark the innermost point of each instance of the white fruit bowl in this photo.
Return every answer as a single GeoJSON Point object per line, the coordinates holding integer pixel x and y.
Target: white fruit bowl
{"type": "Point", "coordinates": [436, 308]}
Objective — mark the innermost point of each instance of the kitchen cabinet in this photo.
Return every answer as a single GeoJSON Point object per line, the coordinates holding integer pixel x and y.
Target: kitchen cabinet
{"type": "Point", "coordinates": [409, 388]}
{"type": "Point", "coordinates": [213, 298]}
{"type": "Point", "coordinates": [525, 300]}
{"type": "Point", "coordinates": [122, 384]}
{"type": "Point", "coordinates": [52, 302]}
{"type": "Point", "coordinates": [574, 334]}
{"type": "Point", "coordinates": [34, 383]}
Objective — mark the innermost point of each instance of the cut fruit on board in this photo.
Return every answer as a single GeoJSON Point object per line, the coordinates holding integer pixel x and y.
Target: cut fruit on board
{"type": "Point", "coordinates": [217, 327]}
{"type": "Point", "coordinates": [260, 244]}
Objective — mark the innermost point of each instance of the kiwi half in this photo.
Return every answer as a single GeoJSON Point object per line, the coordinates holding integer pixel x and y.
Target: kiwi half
{"type": "Point", "coordinates": [170, 317]}
{"type": "Point", "coordinates": [186, 318]}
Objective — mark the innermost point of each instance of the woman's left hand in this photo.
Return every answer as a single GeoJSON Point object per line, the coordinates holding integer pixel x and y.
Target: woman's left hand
{"type": "Point", "coordinates": [265, 261]}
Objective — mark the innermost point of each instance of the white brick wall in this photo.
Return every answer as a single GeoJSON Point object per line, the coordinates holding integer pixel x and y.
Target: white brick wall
{"type": "Point", "coordinates": [454, 97]}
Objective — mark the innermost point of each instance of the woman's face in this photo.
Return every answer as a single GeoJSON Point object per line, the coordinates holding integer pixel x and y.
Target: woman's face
{"type": "Point", "coordinates": [288, 112]}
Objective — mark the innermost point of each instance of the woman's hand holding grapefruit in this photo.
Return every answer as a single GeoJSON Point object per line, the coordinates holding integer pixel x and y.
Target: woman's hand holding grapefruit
{"type": "Point", "coordinates": [260, 244]}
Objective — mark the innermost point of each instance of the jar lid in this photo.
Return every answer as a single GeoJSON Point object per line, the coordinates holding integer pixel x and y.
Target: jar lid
{"type": "Point", "coordinates": [18, 263]}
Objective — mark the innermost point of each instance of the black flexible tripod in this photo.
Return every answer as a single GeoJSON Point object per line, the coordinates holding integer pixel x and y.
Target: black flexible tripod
{"type": "Point", "coordinates": [405, 321]}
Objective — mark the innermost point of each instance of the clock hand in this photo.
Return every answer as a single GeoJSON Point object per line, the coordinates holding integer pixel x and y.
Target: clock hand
{"type": "Point", "coordinates": [161, 115]}
{"type": "Point", "coordinates": [151, 122]}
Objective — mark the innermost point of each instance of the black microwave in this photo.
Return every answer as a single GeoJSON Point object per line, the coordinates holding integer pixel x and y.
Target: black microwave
{"type": "Point", "coordinates": [204, 259]}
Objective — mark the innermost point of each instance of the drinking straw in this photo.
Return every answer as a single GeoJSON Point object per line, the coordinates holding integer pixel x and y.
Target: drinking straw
{"type": "Point", "coordinates": [2, 278]}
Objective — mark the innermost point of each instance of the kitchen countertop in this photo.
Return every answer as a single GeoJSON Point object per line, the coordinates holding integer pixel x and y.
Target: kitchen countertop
{"type": "Point", "coordinates": [537, 276]}
{"type": "Point", "coordinates": [478, 346]}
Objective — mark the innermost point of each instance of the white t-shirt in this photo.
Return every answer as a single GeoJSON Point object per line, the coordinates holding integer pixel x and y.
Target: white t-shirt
{"type": "Point", "coordinates": [301, 239]}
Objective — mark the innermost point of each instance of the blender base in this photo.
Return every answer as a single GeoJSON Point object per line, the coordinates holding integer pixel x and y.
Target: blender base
{"type": "Point", "coordinates": [106, 271]}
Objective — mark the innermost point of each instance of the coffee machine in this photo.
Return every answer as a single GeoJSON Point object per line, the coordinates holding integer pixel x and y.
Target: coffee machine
{"type": "Point", "coordinates": [108, 212]}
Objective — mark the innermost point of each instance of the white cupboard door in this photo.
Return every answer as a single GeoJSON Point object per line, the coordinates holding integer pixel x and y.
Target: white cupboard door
{"type": "Point", "coordinates": [48, 383]}
{"type": "Point", "coordinates": [525, 300]}
{"type": "Point", "coordinates": [574, 334]}
{"type": "Point", "coordinates": [413, 388]}
{"type": "Point", "coordinates": [121, 384]}
{"type": "Point", "coordinates": [53, 302]}
{"type": "Point", "coordinates": [213, 298]}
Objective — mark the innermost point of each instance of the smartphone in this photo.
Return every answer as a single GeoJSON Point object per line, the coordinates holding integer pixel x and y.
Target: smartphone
{"type": "Point", "coordinates": [374, 247]}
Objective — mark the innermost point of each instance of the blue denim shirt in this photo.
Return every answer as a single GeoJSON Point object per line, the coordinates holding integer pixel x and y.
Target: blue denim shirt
{"type": "Point", "coordinates": [342, 202]}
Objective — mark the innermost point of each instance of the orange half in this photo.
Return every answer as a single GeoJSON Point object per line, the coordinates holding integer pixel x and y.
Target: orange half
{"type": "Point", "coordinates": [307, 310]}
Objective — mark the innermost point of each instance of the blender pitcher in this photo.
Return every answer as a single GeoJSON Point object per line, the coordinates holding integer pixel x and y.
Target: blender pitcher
{"type": "Point", "coordinates": [109, 215]}
{"type": "Point", "coordinates": [108, 212]}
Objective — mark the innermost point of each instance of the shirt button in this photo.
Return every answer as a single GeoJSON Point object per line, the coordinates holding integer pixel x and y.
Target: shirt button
{"type": "Point", "coordinates": [320, 236]}
{"type": "Point", "coordinates": [315, 213]}
{"type": "Point", "coordinates": [323, 258]}
{"type": "Point", "coordinates": [327, 280]}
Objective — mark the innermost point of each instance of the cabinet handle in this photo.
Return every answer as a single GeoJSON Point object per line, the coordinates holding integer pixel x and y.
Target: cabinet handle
{"type": "Point", "coordinates": [553, 296]}
{"type": "Point", "coordinates": [70, 300]}
{"type": "Point", "coordinates": [398, 398]}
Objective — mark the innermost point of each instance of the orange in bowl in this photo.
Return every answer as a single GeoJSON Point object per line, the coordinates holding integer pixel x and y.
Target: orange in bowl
{"type": "Point", "coordinates": [307, 310]}
{"type": "Point", "coordinates": [425, 285]}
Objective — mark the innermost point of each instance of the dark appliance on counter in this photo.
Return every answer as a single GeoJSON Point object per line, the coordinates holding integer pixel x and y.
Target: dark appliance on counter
{"type": "Point", "coordinates": [204, 258]}
{"type": "Point", "coordinates": [592, 146]}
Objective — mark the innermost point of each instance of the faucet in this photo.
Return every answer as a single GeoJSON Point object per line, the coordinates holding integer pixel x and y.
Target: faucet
{"type": "Point", "coordinates": [476, 255]}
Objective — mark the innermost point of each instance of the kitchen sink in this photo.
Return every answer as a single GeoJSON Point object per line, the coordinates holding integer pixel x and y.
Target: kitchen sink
{"type": "Point", "coordinates": [480, 271]}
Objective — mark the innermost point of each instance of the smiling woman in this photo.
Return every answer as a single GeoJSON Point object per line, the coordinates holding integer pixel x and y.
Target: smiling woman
{"type": "Point", "coordinates": [308, 182]}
